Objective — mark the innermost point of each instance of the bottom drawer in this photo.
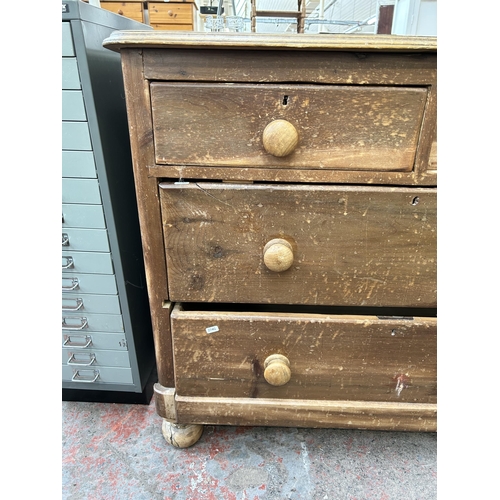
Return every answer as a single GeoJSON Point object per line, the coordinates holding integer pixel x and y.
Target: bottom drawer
{"type": "Point", "coordinates": [281, 355]}
{"type": "Point", "coordinates": [97, 375]}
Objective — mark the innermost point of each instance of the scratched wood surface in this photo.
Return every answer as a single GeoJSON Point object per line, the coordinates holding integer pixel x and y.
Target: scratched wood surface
{"type": "Point", "coordinates": [359, 245]}
{"type": "Point", "coordinates": [339, 127]}
{"type": "Point", "coordinates": [359, 358]}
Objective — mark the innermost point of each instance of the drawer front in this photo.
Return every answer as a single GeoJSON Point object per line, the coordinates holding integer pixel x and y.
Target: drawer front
{"type": "Point", "coordinates": [336, 127]}
{"type": "Point", "coordinates": [79, 358]}
{"type": "Point", "coordinates": [67, 41]}
{"type": "Point", "coordinates": [76, 135]}
{"type": "Point", "coordinates": [83, 216]}
{"type": "Point", "coordinates": [70, 75]}
{"type": "Point", "coordinates": [361, 246]}
{"type": "Point", "coordinates": [360, 358]}
{"type": "Point", "coordinates": [75, 303]}
{"type": "Point", "coordinates": [91, 341]}
{"type": "Point", "coordinates": [85, 191]}
{"type": "Point", "coordinates": [170, 13]}
{"type": "Point", "coordinates": [86, 262]}
{"type": "Point", "coordinates": [73, 106]}
{"type": "Point", "coordinates": [78, 164]}
{"type": "Point", "coordinates": [173, 27]}
{"type": "Point", "coordinates": [98, 375]}
{"type": "Point", "coordinates": [87, 240]}
{"type": "Point", "coordinates": [132, 10]}
{"type": "Point", "coordinates": [89, 283]}
{"type": "Point", "coordinates": [85, 322]}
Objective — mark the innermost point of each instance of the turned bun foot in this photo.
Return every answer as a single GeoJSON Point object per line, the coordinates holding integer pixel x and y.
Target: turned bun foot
{"type": "Point", "coordinates": [181, 436]}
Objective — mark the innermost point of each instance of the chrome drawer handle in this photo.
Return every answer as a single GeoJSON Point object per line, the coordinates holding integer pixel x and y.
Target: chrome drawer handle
{"type": "Point", "coordinates": [87, 341]}
{"type": "Point", "coordinates": [72, 360]}
{"type": "Point", "coordinates": [79, 305]}
{"type": "Point", "coordinates": [89, 380]}
{"type": "Point", "coordinates": [74, 285]}
{"type": "Point", "coordinates": [70, 263]}
{"type": "Point", "coordinates": [84, 324]}
{"type": "Point", "coordinates": [65, 240]}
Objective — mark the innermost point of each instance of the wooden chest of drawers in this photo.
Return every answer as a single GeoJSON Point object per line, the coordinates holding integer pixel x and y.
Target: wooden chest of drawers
{"type": "Point", "coordinates": [287, 199]}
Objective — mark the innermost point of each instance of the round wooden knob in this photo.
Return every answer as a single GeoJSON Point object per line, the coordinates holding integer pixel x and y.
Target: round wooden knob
{"type": "Point", "coordinates": [277, 370]}
{"type": "Point", "coordinates": [120, 12]}
{"type": "Point", "coordinates": [280, 138]}
{"type": "Point", "coordinates": [170, 13]}
{"type": "Point", "coordinates": [278, 255]}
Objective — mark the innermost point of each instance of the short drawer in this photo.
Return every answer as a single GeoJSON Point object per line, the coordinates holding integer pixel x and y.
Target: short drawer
{"type": "Point", "coordinates": [76, 135]}
{"type": "Point", "coordinates": [336, 127]}
{"type": "Point", "coordinates": [81, 321]}
{"type": "Point", "coordinates": [97, 375]}
{"type": "Point", "coordinates": [67, 40]}
{"type": "Point", "coordinates": [83, 216]}
{"type": "Point", "coordinates": [94, 340]}
{"type": "Point", "coordinates": [314, 356]}
{"type": "Point", "coordinates": [75, 303]}
{"type": "Point", "coordinates": [343, 245]}
{"type": "Point", "coordinates": [84, 191]}
{"type": "Point", "coordinates": [89, 240]}
{"type": "Point", "coordinates": [86, 262]}
{"type": "Point", "coordinates": [79, 358]}
{"type": "Point", "coordinates": [89, 283]}
{"type": "Point", "coordinates": [73, 106]}
{"type": "Point", "coordinates": [70, 75]}
{"type": "Point", "coordinates": [132, 10]}
{"type": "Point", "coordinates": [171, 13]}
{"type": "Point", "coordinates": [78, 164]}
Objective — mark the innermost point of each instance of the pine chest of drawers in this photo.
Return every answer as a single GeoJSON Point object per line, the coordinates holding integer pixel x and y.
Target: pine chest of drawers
{"type": "Point", "coordinates": [287, 198]}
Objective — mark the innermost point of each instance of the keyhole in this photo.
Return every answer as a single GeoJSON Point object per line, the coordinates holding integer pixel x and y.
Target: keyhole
{"type": "Point", "coordinates": [285, 100]}
{"type": "Point", "coordinates": [415, 200]}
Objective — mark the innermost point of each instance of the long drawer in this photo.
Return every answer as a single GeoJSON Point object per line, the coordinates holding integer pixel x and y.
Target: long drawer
{"type": "Point", "coordinates": [86, 262]}
{"type": "Point", "coordinates": [80, 321]}
{"type": "Point", "coordinates": [304, 356]}
{"type": "Point", "coordinates": [93, 358]}
{"type": "Point", "coordinates": [90, 375]}
{"type": "Point", "coordinates": [84, 216]}
{"type": "Point", "coordinates": [86, 240]}
{"type": "Point", "coordinates": [89, 283]}
{"type": "Point", "coordinates": [232, 243]}
{"type": "Point", "coordinates": [85, 303]}
{"type": "Point", "coordinates": [94, 340]}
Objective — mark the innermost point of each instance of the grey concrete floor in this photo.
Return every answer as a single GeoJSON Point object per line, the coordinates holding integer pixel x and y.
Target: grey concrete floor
{"type": "Point", "coordinates": [117, 451]}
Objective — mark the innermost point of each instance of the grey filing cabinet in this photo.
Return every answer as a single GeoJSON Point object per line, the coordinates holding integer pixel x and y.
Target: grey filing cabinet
{"type": "Point", "coordinates": [107, 340]}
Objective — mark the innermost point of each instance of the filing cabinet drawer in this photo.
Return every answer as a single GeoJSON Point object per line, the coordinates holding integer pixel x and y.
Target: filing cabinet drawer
{"type": "Point", "coordinates": [67, 41]}
{"type": "Point", "coordinates": [316, 356]}
{"type": "Point", "coordinates": [78, 164]}
{"type": "Point", "coordinates": [98, 375]}
{"type": "Point", "coordinates": [89, 283]}
{"type": "Point", "coordinates": [330, 126]}
{"type": "Point", "coordinates": [80, 358]}
{"type": "Point", "coordinates": [86, 262]}
{"type": "Point", "coordinates": [341, 245]}
{"type": "Point", "coordinates": [84, 303]}
{"type": "Point", "coordinates": [76, 135]}
{"type": "Point", "coordinates": [83, 216]}
{"type": "Point", "coordinates": [70, 75]}
{"type": "Point", "coordinates": [90, 240]}
{"type": "Point", "coordinates": [94, 340]}
{"type": "Point", "coordinates": [84, 322]}
{"type": "Point", "coordinates": [85, 191]}
{"type": "Point", "coordinates": [73, 106]}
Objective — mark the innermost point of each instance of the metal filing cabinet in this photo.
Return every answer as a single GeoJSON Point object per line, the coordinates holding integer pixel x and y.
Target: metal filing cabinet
{"type": "Point", "coordinates": [107, 342]}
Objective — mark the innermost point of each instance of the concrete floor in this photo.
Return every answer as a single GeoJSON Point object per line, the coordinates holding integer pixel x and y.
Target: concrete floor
{"type": "Point", "coordinates": [117, 451]}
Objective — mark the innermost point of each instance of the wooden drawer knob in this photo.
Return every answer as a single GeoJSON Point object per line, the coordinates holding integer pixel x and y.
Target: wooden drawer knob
{"type": "Point", "coordinates": [120, 11]}
{"type": "Point", "coordinates": [280, 138]}
{"type": "Point", "coordinates": [278, 255]}
{"type": "Point", "coordinates": [170, 13]}
{"type": "Point", "coordinates": [277, 370]}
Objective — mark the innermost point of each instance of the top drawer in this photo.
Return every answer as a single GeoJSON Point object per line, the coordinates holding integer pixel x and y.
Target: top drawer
{"type": "Point", "coordinates": [344, 127]}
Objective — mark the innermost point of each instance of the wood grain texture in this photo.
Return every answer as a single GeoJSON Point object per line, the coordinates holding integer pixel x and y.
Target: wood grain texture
{"type": "Point", "coordinates": [340, 127]}
{"type": "Point", "coordinates": [347, 250]}
{"type": "Point", "coordinates": [316, 414]}
{"type": "Point", "coordinates": [170, 13]}
{"type": "Point", "coordinates": [139, 118]}
{"type": "Point", "coordinates": [361, 358]}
